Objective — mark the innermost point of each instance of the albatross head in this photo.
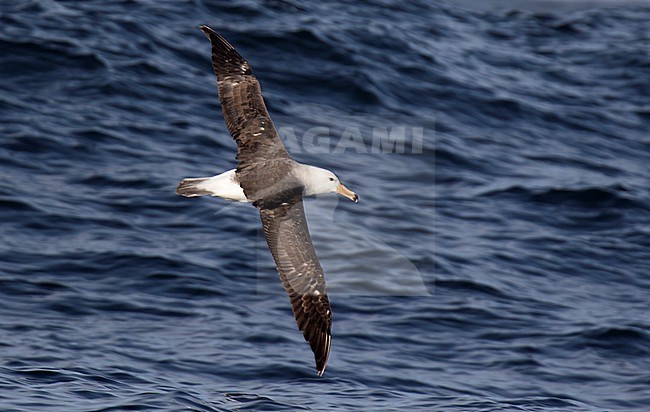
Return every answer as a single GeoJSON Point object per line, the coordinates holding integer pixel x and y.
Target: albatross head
{"type": "Point", "coordinates": [320, 181]}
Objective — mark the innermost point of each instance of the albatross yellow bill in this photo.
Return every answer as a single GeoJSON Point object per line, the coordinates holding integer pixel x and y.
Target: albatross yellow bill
{"type": "Point", "coordinates": [344, 191]}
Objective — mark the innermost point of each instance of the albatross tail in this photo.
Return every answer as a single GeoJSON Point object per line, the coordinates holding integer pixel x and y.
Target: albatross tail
{"type": "Point", "coordinates": [224, 186]}
{"type": "Point", "coordinates": [191, 187]}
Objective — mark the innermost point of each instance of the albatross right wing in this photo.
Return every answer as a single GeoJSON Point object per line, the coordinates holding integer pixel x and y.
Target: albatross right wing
{"type": "Point", "coordinates": [287, 235]}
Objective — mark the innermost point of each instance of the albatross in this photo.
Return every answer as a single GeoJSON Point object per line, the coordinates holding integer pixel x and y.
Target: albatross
{"type": "Point", "coordinates": [275, 184]}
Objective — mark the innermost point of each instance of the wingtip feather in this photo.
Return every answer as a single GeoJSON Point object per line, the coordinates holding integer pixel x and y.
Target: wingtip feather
{"type": "Point", "coordinates": [321, 363]}
{"type": "Point", "coordinates": [207, 30]}
{"type": "Point", "coordinates": [213, 36]}
{"type": "Point", "coordinates": [225, 59]}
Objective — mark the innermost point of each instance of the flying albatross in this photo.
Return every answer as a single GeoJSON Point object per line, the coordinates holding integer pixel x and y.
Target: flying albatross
{"type": "Point", "coordinates": [275, 184]}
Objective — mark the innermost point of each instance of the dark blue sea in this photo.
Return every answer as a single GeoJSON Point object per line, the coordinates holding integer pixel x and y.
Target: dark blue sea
{"type": "Point", "coordinates": [499, 258]}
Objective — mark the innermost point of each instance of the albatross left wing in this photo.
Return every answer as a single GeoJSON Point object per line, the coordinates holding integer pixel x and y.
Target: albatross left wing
{"type": "Point", "coordinates": [287, 235]}
{"type": "Point", "coordinates": [247, 118]}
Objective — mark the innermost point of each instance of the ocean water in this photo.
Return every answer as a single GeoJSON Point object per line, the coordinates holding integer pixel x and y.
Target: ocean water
{"type": "Point", "coordinates": [499, 262]}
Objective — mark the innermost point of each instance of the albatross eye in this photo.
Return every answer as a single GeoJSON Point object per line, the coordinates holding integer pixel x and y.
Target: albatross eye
{"type": "Point", "coordinates": [331, 179]}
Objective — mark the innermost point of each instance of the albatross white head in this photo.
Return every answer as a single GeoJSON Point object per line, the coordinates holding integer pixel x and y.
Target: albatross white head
{"type": "Point", "coordinates": [319, 181]}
